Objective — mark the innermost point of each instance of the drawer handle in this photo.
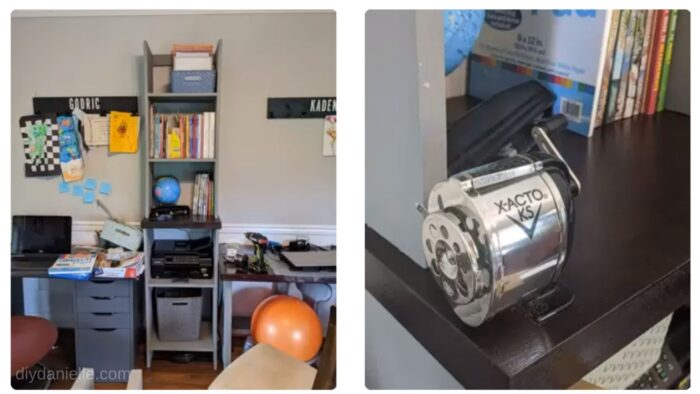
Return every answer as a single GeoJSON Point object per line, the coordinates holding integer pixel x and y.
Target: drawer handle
{"type": "Point", "coordinates": [102, 313]}
{"type": "Point", "coordinates": [180, 303]}
{"type": "Point", "coordinates": [104, 329]}
{"type": "Point", "coordinates": [101, 298]}
{"type": "Point", "coordinates": [102, 282]}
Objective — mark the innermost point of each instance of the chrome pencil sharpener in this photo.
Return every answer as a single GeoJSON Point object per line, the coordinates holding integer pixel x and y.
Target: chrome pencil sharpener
{"type": "Point", "coordinates": [498, 234]}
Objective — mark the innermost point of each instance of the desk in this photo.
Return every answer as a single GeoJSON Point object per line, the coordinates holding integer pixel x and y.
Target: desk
{"type": "Point", "coordinates": [629, 266]}
{"type": "Point", "coordinates": [105, 321]}
{"type": "Point", "coordinates": [279, 273]}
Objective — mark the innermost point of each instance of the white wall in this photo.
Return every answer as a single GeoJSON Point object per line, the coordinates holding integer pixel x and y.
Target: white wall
{"type": "Point", "coordinates": [273, 170]}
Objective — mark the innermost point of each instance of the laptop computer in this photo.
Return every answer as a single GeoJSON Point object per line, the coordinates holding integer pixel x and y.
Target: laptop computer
{"type": "Point", "coordinates": [313, 260]}
{"type": "Point", "coordinates": [39, 240]}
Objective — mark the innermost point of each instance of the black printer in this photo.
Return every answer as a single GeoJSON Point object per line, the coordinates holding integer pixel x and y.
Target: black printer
{"type": "Point", "coordinates": [183, 259]}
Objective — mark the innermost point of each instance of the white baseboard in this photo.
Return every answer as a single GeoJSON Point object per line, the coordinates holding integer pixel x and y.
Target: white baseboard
{"type": "Point", "coordinates": [85, 232]}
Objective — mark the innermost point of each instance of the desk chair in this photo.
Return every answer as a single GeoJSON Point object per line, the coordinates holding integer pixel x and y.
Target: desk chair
{"type": "Point", "coordinates": [32, 339]}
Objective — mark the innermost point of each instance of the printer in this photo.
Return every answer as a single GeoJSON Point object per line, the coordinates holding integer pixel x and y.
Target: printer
{"type": "Point", "coordinates": [182, 259]}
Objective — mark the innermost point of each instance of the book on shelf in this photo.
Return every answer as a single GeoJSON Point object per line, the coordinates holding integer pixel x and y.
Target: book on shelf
{"type": "Point", "coordinates": [644, 62]}
{"type": "Point", "coordinates": [196, 48]}
{"type": "Point", "coordinates": [621, 100]}
{"type": "Point", "coordinates": [203, 195]}
{"type": "Point", "coordinates": [657, 53]}
{"type": "Point", "coordinates": [635, 63]}
{"type": "Point", "coordinates": [193, 57]}
{"type": "Point", "coordinates": [182, 135]}
{"type": "Point", "coordinates": [562, 49]}
{"type": "Point", "coordinates": [607, 67]}
{"type": "Point", "coordinates": [616, 71]}
{"type": "Point", "coordinates": [668, 52]}
{"type": "Point", "coordinates": [638, 68]}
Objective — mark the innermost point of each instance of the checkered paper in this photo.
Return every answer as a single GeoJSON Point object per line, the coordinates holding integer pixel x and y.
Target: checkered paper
{"type": "Point", "coordinates": [48, 162]}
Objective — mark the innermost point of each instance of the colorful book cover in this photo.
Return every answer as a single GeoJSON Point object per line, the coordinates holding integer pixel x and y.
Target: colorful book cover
{"type": "Point", "coordinates": [626, 63]}
{"type": "Point", "coordinates": [635, 63]}
{"type": "Point", "coordinates": [77, 266]}
{"type": "Point", "coordinates": [516, 46]}
{"type": "Point", "coordinates": [649, 26]}
{"type": "Point", "coordinates": [668, 53]}
{"type": "Point", "coordinates": [617, 66]}
{"type": "Point", "coordinates": [174, 145]}
{"type": "Point", "coordinates": [657, 62]}
{"type": "Point", "coordinates": [607, 68]}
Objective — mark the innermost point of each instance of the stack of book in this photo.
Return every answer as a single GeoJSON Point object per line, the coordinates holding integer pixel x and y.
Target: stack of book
{"type": "Point", "coordinates": [189, 57]}
{"type": "Point", "coordinates": [203, 195]}
{"type": "Point", "coordinates": [637, 64]}
{"type": "Point", "coordinates": [77, 266]}
{"type": "Point", "coordinates": [182, 136]}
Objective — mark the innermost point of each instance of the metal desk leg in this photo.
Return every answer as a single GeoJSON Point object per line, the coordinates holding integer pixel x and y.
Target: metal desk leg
{"type": "Point", "coordinates": [227, 321]}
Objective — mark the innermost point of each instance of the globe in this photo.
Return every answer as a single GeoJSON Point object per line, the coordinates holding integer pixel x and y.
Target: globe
{"type": "Point", "coordinates": [461, 29]}
{"type": "Point", "coordinates": [166, 190]}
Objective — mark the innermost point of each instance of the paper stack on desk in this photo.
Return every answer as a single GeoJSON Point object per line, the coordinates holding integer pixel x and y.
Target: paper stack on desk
{"type": "Point", "coordinates": [131, 267]}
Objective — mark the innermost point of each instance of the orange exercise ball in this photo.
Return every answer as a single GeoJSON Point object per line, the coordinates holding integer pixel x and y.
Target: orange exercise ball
{"type": "Point", "coordinates": [289, 325]}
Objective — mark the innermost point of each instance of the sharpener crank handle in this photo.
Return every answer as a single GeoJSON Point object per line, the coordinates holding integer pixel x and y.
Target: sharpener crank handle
{"type": "Point", "coordinates": [543, 142]}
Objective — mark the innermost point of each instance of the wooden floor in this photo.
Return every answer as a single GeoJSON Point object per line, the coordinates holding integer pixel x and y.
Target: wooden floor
{"type": "Point", "coordinates": [167, 375]}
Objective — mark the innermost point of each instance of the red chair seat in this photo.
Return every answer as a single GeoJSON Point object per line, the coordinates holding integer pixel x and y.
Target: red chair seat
{"type": "Point", "coordinates": [32, 339]}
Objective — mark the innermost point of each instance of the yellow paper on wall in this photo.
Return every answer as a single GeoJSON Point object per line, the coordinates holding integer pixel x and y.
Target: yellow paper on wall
{"type": "Point", "coordinates": [123, 132]}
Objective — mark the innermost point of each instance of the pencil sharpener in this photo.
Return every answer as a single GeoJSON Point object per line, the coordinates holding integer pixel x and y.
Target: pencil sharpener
{"type": "Point", "coordinates": [498, 234]}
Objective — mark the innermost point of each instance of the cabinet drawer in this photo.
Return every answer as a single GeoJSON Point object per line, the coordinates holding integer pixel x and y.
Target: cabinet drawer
{"type": "Point", "coordinates": [104, 320]}
{"type": "Point", "coordinates": [103, 304]}
{"type": "Point", "coordinates": [108, 288]}
{"type": "Point", "coordinates": [107, 351]}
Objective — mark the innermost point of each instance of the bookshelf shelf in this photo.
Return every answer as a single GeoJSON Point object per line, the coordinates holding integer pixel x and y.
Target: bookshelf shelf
{"type": "Point", "coordinates": [185, 169]}
{"type": "Point", "coordinates": [203, 222]}
{"type": "Point", "coordinates": [175, 284]}
{"type": "Point", "coordinates": [182, 97]}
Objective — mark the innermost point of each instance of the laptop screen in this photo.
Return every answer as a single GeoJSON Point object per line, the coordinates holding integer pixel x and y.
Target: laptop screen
{"type": "Point", "coordinates": [41, 234]}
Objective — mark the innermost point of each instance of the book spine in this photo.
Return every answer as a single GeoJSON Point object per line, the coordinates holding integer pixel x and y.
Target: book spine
{"type": "Point", "coordinates": [635, 64]}
{"type": "Point", "coordinates": [202, 200]}
{"type": "Point", "coordinates": [668, 53]}
{"type": "Point", "coordinates": [150, 131]}
{"type": "Point", "coordinates": [194, 195]}
{"type": "Point", "coordinates": [626, 63]}
{"type": "Point", "coordinates": [658, 54]}
{"type": "Point", "coordinates": [607, 68]}
{"type": "Point", "coordinates": [212, 134]}
{"type": "Point", "coordinates": [617, 67]}
{"type": "Point", "coordinates": [649, 25]}
{"type": "Point", "coordinates": [211, 198]}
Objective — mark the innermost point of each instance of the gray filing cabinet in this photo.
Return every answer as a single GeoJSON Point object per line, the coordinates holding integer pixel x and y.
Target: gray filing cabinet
{"type": "Point", "coordinates": [106, 327]}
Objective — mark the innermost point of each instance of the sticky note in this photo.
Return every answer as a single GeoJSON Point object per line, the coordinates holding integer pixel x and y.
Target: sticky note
{"type": "Point", "coordinates": [90, 184]}
{"type": "Point", "coordinates": [63, 187]}
{"type": "Point", "coordinates": [105, 188]}
{"type": "Point", "coordinates": [77, 190]}
{"type": "Point", "coordinates": [88, 197]}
